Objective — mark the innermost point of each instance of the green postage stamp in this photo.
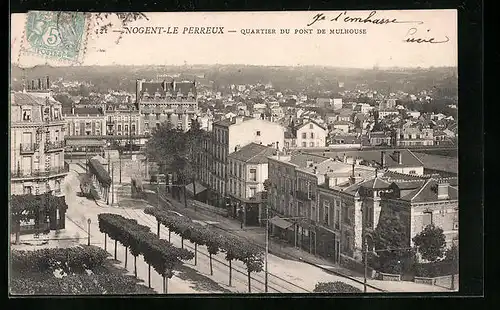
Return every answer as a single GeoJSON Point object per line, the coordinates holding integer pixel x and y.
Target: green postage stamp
{"type": "Point", "coordinates": [56, 36]}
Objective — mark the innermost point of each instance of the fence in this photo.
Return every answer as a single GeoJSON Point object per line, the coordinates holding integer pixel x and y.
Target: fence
{"type": "Point", "coordinates": [389, 276]}
{"type": "Point", "coordinates": [444, 281]}
{"type": "Point", "coordinates": [209, 208]}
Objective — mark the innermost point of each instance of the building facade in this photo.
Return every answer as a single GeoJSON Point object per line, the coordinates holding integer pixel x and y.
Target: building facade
{"type": "Point", "coordinates": [412, 136]}
{"type": "Point", "coordinates": [310, 135]}
{"type": "Point", "coordinates": [248, 169]}
{"type": "Point", "coordinates": [169, 101]}
{"type": "Point", "coordinates": [228, 136]}
{"type": "Point", "coordinates": [124, 120]}
{"type": "Point", "coordinates": [37, 144]}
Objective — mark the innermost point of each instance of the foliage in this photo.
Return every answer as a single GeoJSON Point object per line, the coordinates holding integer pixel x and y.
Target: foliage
{"type": "Point", "coordinates": [335, 287]}
{"type": "Point", "coordinates": [76, 284]}
{"type": "Point", "coordinates": [388, 235]}
{"type": "Point", "coordinates": [70, 260]}
{"type": "Point", "coordinates": [157, 252]}
{"type": "Point", "coordinates": [430, 242]}
{"type": "Point", "coordinates": [27, 206]}
{"type": "Point", "coordinates": [436, 269]}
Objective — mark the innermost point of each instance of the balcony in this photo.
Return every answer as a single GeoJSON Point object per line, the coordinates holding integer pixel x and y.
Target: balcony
{"type": "Point", "coordinates": [33, 174]}
{"type": "Point", "coordinates": [304, 196]}
{"type": "Point", "coordinates": [54, 146]}
{"type": "Point", "coordinates": [28, 148]}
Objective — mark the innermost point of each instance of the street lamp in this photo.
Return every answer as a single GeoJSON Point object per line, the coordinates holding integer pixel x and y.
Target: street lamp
{"type": "Point", "coordinates": [267, 243]}
{"type": "Point", "coordinates": [89, 221]}
{"type": "Point", "coordinates": [366, 234]}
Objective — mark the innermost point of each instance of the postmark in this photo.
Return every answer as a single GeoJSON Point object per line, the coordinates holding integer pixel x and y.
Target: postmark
{"type": "Point", "coordinates": [56, 36]}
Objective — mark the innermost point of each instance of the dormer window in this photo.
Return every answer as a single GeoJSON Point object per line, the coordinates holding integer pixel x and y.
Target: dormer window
{"type": "Point", "coordinates": [26, 114]}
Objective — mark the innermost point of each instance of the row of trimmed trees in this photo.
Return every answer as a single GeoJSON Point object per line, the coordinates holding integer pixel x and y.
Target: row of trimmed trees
{"type": "Point", "coordinates": [160, 254]}
{"type": "Point", "coordinates": [200, 235]}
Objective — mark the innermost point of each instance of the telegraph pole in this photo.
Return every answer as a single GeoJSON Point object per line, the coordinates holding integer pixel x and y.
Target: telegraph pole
{"type": "Point", "coordinates": [366, 265]}
{"type": "Point", "coordinates": [267, 245]}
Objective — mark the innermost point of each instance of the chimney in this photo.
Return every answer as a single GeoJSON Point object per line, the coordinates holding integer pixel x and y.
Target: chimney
{"type": "Point", "coordinates": [382, 159]}
{"type": "Point", "coordinates": [344, 158]}
{"type": "Point", "coordinates": [315, 170]}
{"type": "Point", "coordinates": [442, 190]}
{"type": "Point", "coordinates": [39, 84]}
{"type": "Point", "coordinates": [239, 120]}
{"type": "Point", "coordinates": [309, 163]}
{"type": "Point", "coordinates": [327, 180]}
{"type": "Point", "coordinates": [175, 84]}
{"type": "Point", "coordinates": [399, 157]}
{"type": "Point", "coordinates": [32, 84]}
{"type": "Point", "coordinates": [73, 109]}
{"type": "Point", "coordinates": [352, 173]}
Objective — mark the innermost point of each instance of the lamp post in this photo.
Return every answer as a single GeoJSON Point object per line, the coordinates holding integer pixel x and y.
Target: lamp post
{"type": "Point", "coordinates": [89, 221]}
{"type": "Point", "coordinates": [267, 245]}
{"type": "Point", "coordinates": [365, 235]}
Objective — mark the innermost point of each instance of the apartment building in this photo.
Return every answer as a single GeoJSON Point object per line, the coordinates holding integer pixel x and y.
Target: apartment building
{"type": "Point", "coordinates": [166, 100]}
{"type": "Point", "coordinates": [37, 144]}
{"type": "Point", "coordinates": [309, 134]}
{"type": "Point", "coordinates": [248, 169]}
{"type": "Point", "coordinates": [228, 136]}
{"type": "Point", "coordinates": [124, 120]}
{"type": "Point", "coordinates": [412, 136]}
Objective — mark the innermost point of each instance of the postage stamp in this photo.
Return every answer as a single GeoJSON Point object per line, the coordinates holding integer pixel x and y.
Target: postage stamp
{"type": "Point", "coordinates": [57, 36]}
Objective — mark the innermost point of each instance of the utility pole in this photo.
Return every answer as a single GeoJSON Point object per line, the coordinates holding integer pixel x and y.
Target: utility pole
{"type": "Point", "coordinates": [267, 245]}
{"type": "Point", "coordinates": [120, 157]}
{"type": "Point", "coordinates": [112, 183]}
{"type": "Point", "coordinates": [366, 264]}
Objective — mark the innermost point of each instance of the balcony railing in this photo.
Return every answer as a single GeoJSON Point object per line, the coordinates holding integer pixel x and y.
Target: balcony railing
{"type": "Point", "coordinates": [40, 174]}
{"type": "Point", "coordinates": [54, 145]}
{"type": "Point", "coordinates": [28, 148]}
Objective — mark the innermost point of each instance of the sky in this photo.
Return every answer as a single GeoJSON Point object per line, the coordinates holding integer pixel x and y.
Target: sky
{"type": "Point", "coordinates": [382, 45]}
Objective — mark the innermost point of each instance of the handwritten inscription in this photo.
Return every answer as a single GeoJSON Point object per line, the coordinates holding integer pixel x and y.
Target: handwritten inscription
{"type": "Point", "coordinates": [345, 17]}
{"type": "Point", "coordinates": [412, 37]}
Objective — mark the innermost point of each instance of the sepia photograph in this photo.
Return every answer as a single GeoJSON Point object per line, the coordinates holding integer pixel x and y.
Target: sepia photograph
{"type": "Point", "coordinates": [233, 153]}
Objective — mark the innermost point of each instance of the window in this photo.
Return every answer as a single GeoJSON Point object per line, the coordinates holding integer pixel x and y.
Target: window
{"type": "Point", "coordinates": [311, 144]}
{"type": "Point", "coordinates": [26, 114]}
{"type": "Point", "coordinates": [311, 126]}
{"type": "Point", "coordinates": [326, 212]}
{"type": "Point", "coordinates": [27, 190]}
{"type": "Point", "coordinates": [426, 219]}
{"type": "Point", "coordinates": [337, 219]}
{"type": "Point", "coordinates": [304, 135]}
{"type": "Point", "coordinates": [252, 192]}
{"type": "Point", "coordinates": [258, 133]}
{"type": "Point", "coordinates": [299, 209]}
{"type": "Point", "coordinates": [413, 172]}
{"type": "Point", "coordinates": [253, 174]}
{"type": "Point", "coordinates": [119, 127]}
{"type": "Point", "coordinates": [146, 125]}
{"type": "Point", "coordinates": [133, 128]}
{"type": "Point", "coordinates": [304, 144]}
{"type": "Point", "coordinates": [312, 135]}
{"type": "Point", "coordinates": [157, 116]}
{"type": "Point", "coordinates": [455, 225]}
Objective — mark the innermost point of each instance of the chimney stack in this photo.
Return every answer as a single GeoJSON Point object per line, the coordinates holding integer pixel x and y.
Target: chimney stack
{"type": "Point", "coordinates": [353, 166]}
{"type": "Point", "coordinates": [48, 82]}
{"type": "Point", "coordinates": [442, 190]}
{"type": "Point", "coordinates": [382, 159]}
{"type": "Point", "coordinates": [39, 84]}
{"type": "Point", "coordinates": [399, 157]}
{"type": "Point", "coordinates": [33, 87]}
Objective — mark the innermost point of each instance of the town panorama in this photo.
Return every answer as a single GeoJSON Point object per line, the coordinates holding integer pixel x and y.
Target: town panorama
{"type": "Point", "coordinates": [233, 179]}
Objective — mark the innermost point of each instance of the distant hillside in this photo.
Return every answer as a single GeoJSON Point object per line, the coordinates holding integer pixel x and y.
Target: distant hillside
{"type": "Point", "coordinates": [311, 78]}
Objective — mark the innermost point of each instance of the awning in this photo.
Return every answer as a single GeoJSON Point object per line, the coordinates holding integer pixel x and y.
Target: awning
{"type": "Point", "coordinates": [281, 223]}
{"type": "Point", "coordinates": [85, 142]}
{"type": "Point", "coordinates": [199, 188]}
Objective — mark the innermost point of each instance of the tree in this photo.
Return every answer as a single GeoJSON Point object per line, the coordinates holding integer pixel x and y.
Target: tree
{"type": "Point", "coordinates": [390, 243]}
{"type": "Point", "coordinates": [335, 287]}
{"type": "Point", "coordinates": [430, 242]}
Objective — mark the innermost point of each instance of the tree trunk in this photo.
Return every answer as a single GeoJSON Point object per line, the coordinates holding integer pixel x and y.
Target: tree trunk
{"type": "Point", "coordinates": [116, 244]}
{"type": "Point", "coordinates": [135, 266]}
{"type": "Point", "coordinates": [105, 242]}
{"type": "Point", "coordinates": [18, 232]}
{"type": "Point", "coordinates": [158, 230]}
{"type": "Point", "coordinates": [185, 196]}
{"type": "Point", "coordinates": [149, 275]}
{"type": "Point", "coordinates": [249, 287]}
{"type": "Point", "coordinates": [211, 269]}
{"type": "Point", "coordinates": [126, 256]}
{"type": "Point", "coordinates": [164, 287]}
{"type": "Point", "coordinates": [194, 189]}
{"type": "Point", "coordinates": [182, 242]}
{"type": "Point", "coordinates": [230, 271]}
{"type": "Point", "coordinates": [195, 252]}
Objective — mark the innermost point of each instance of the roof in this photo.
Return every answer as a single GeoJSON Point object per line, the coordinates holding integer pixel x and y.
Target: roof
{"type": "Point", "coordinates": [374, 157]}
{"type": "Point", "coordinates": [341, 123]}
{"type": "Point", "coordinates": [310, 122]}
{"type": "Point", "coordinates": [230, 121]}
{"type": "Point", "coordinates": [438, 162]}
{"type": "Point", "coordinates": [21, 98]}
{"type": "Point", "coordinates": [98, 170]}
{"type": "Point", "coordinates": [301, 159]}
{"type": "Point", "coordinates": [253, 153]}
{"type": "Point", "coordinates": [170, 86]}
{"type": "Point", "coordinates": [428, 193]}
{"type": "Point", "coordinates": [83, 111]}
{"type": "Point", "coordinates": [375, 183]}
